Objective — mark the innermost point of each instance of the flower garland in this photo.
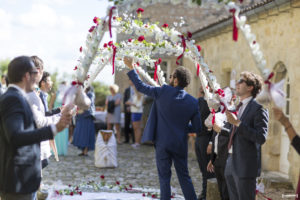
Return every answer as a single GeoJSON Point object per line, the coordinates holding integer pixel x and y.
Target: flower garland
{"type": "Point", "coordinates": [271, 92]}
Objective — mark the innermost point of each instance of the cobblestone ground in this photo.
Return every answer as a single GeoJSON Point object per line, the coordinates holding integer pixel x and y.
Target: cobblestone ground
{"type": "Point", "coordinates": [136, 167]}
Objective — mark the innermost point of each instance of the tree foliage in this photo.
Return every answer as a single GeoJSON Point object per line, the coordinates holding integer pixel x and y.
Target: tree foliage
{"type": "Point", "coordinates": [101, 91]}
{"type": "Point", "coordinates": [4, 66]}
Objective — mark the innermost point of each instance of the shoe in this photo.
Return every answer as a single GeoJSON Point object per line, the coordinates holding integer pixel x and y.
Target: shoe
{"type": "Point", "coordinates": [136, 146]}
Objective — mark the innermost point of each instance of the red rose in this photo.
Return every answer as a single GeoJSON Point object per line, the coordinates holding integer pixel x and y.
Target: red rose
{"type": "Point", "coordinates": [165, 26]}
{"type": "Point", "coordinates": [110, 43]}
{"type": "Point", "coordinates": [130, 186]}
{"type": "Point", "coordinates": [140, 10]}
{"type": "Point", "coordinates": [80, 192]}
{"type": "Point", "coordinates": [102, 177]}
{"type": "Point", "coordinates": [69, 184]}
{"type": "Point", "coordinates": [141, 38]}
{"type": "Point", "coordinates": [56, 192]}
{"type": "Point", "coordinates": [92, 29]}
{"type": "Point", "coordinates": [76, 188]}
{"type": "Point", "coordinates": [199, 48]}
{"type": "Point", "coordinates": [129, 40]}
{"type": "Point", "coordinates": [105, 45]}
{"type": "Point", "coordinates": [80, 49]}
{"type": "Point", "coordinates": [144, 195]}
{"type": "Point", "coordinates": [254, 42]}
{"type": "Point", "coordinates": [71, 193]}
{"type": "Point", "coordinates": [117, 182]}
{"type": "Point", "coordinates": [189, 34]}
{"type": "Point", "coordinates": [153, 196]}
{"type": "Point", "coordinates": [96, 20]}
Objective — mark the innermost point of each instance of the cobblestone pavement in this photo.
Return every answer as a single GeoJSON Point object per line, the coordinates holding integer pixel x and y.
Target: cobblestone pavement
{"type": "Point", "coordinates": [135, 166]}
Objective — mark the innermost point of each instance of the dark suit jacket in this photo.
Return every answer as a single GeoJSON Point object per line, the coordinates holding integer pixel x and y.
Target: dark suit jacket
{"type": "Point", "coordinates": [247, 140]}
{"type": "Point", "coordinates": [204, 111]}
{"type": "Point", "coordinates": [171, 112]}
{"type": "Point", "coordinates": [126, 98]}
{"type": "Point", "coordinates": [20, 159]}
{"type": "Point", "coordinates": [222, 148]}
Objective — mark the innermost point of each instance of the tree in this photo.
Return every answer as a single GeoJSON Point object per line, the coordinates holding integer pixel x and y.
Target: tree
{"type": "Point", "coordinates": [4, 66]}
{"type": "Point", "coordinates": [101, 91]}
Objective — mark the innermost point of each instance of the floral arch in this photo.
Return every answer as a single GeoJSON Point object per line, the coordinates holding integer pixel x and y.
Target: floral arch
{"type": "Point", "coordinates": [149, 41]}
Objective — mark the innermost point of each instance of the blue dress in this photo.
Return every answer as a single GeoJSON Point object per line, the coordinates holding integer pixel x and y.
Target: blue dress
{"type": "Point", "coordinates": [62, 138]}
{"type": "Point", "coordinates": [84, 132]}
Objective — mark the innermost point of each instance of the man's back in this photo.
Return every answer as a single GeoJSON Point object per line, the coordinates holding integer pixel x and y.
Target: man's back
{"type": "Point", "coordinates": [173, 109]}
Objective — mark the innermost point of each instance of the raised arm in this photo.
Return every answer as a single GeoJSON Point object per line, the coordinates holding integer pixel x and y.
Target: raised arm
{"type": "Point", "coordinates": [139, 84]}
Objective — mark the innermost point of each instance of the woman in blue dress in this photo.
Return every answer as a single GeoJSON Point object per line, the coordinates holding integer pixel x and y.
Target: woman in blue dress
{"type": "Point", "coordinates": [84, 132]}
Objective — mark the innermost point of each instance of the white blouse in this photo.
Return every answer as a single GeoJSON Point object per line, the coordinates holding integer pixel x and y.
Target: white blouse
{"type": "Point", "coordinates": [138, 108]}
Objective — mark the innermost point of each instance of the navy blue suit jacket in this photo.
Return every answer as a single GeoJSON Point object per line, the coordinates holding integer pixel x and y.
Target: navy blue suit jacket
{"type": "Point", "coordinates": [247, 140]}
{"type": "Point", "coordinates": [20, 159]}
{"type": "Point", "coordinates": [172, 111]}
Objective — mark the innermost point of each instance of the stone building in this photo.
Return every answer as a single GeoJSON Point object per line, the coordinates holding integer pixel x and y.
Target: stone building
{"type": "Point", "coordinates": [276, 26]}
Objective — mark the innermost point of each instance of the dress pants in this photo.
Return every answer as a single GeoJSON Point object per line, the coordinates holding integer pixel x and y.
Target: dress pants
{"type": "Point", "coordinates": [239, 188]}
{"type": "Point", "coordinates": [8, 196]}
{"type": "Point", "coordinates": [127, 129]}
{"type": "Point", "coordinates": [219, 171]}
{"type": "Point", "coordinates": [203, 158]}
{"type": "Point", "coordinates": [164, 159]}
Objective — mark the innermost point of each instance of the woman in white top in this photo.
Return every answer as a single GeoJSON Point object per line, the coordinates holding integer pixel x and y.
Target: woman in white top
{"type": "Point", "coordinates": [136, 108]}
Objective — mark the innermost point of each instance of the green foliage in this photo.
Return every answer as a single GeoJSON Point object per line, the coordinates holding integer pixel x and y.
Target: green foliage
{"type": "Point", "coordinates": [4, 66]}
{"type": "Point", "coordinates": [101, 91]}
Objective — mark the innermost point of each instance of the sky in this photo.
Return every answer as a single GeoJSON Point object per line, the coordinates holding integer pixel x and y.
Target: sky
{"type": "Point", "coordinates": [54, 30]}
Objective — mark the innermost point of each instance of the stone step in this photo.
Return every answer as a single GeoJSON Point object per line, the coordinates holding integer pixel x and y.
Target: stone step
{"type": "Point", "coordinates": [276, 180]}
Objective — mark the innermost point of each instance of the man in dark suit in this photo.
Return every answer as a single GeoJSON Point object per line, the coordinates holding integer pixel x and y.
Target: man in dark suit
{"type": "Point", "coordinates": [168, 127]}
{"type": "Point", "coordinates": [201, 144]}
{"type": "Point", "coordinates": [127, 125]}
{"type": "Point", "coordinates": [219, 156]}
{"type": "Point", "coordinates": [20, 166]}
{"type": "Point", "coordinates": [249, 132]}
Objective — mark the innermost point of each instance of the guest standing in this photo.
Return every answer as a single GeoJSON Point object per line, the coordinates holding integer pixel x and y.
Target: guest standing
{"type": "Point", "coordinates": [20, 166]}
{"type": "Point", "coordinates": [136, 109]}
{"type": "Point", "coordinates": [113, 106]}
{"type": "Point", "coordinates": [128, 94]}
{"type": "Point", "coordinates": [202, 143]}
{"type": "Point", "coordinates": [249, 132]}
{"type": "Point", "coordinates": [168, 127]}
{"type": "Point", "coordinates": [84, 132]}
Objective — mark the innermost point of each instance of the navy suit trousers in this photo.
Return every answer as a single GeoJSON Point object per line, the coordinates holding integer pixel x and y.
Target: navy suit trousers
{"type": "Point", "coordinates": [164, 159]}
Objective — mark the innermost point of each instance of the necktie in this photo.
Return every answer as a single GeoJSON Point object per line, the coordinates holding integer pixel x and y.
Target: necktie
{"type": "Point", "coordinates": [234, 127]}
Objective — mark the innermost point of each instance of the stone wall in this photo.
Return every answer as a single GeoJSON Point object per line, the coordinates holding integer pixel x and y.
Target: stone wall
{"type": "Point", "coordinates": [278, 33]}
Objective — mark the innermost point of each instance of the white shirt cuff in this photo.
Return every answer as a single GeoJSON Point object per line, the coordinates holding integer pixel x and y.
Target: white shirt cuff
{"type": "Point", "coordinates": [53, 128]}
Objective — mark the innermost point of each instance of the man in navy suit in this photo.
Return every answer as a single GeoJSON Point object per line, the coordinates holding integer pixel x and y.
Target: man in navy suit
{"type": "Point", "coordinates": [20, 166]}
{"type": "Point", "coordinates": [168, 127]}
{"type": "Point", "coordinates": [249, 132]}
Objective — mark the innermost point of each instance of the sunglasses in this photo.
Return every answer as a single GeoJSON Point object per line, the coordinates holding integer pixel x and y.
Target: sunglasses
{"type": "Point", "coordinates": [241, 81]}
